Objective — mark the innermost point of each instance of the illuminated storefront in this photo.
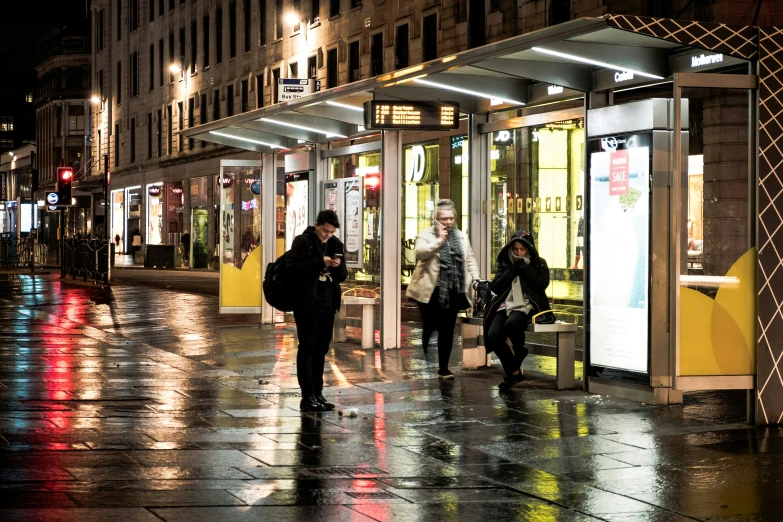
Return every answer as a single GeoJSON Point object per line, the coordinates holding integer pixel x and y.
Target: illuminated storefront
{"type": "Point", "coordinates": [155, 211]}
{"type": "Point", "coordinates": [537, 184]}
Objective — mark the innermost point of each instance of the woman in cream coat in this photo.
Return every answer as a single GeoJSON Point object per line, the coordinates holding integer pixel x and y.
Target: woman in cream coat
{"type": "Point", "coordinates": [442, 280]}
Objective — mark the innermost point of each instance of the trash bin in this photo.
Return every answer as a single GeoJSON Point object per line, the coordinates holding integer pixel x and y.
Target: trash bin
{"type": "Point", "coordinates": [159, 256]}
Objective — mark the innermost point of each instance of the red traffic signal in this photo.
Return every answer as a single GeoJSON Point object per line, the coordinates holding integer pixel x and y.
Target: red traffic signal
{"type": "Point", "coordinates": [64, 179]}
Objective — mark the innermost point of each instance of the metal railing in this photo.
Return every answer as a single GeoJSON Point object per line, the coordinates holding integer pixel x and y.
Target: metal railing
{"type": "Point", "coordinates": [87, 259]}
{"type": "Point", "coordinates": [14, 251]}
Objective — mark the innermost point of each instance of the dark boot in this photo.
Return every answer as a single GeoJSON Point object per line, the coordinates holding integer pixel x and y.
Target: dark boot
{"type": "Point", "coordinates": [319, 397]}
{"type": "Point", "coordinates": [310, 404]}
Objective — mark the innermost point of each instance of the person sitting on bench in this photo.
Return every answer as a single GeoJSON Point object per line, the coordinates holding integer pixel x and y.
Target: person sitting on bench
{"type": "Point", "coordinates": [519, 286]}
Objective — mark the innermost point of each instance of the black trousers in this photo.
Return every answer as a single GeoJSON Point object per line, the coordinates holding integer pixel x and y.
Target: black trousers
{"type": "Point", "coordinates": [314, 331]}
{"type": "Point", "coordinates": [512, 327]}
{"type": "Point", "coordinates": [443, 320]}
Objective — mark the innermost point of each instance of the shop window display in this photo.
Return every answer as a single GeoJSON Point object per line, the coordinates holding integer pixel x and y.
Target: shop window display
{"type": "Point", "coordinates": [199, 222]}
{"type": "Point", "coordinates": [118, 220]}
{"type": "Point", "coordinates": [419, 194]}
{"type": "Point", "coordinates": [155, 212]}
{"type": "Point", "coordinates": [537, 185]}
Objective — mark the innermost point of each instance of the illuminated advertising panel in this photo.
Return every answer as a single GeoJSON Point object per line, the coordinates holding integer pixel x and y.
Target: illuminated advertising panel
{"type": "Point", "coordinates": [620, 253]}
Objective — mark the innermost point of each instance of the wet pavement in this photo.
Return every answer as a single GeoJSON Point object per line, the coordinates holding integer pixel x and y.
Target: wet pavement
{"type": "Point", "coordinates": [136, 403]}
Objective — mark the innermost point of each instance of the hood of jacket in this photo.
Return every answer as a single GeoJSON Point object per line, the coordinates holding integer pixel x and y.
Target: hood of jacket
{"type": "Point", "coordinates": [526, 238]}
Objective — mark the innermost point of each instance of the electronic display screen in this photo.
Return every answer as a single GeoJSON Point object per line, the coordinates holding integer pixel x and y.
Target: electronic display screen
{"type": "Point", "coordinates": [411, 115]}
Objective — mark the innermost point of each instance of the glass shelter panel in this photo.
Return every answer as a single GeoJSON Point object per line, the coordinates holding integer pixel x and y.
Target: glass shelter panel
{"type": "Point", "coordinates": [717, 296]}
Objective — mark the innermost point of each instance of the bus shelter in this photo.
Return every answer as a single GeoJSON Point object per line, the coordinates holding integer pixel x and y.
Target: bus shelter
{"type": "Point", "coordinates": [668, 307]}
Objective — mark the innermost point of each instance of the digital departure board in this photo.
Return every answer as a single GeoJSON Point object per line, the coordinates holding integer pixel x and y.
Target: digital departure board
{"type": "Point", "coordinates": [410, 115]}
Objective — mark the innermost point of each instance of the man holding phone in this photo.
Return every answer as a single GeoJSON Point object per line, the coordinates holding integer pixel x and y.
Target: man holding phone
{"type": "Point", "coordinates": [315, 264]}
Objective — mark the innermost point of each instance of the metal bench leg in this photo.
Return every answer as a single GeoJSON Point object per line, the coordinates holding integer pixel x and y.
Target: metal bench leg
{"type": "Point", "coordinates": [368, 328]}
{"type": "Point", "coordinates": [566, 346]}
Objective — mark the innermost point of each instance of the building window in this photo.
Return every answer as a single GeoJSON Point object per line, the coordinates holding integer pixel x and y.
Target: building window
{"type": "Point", "coordinates": [298, 12]}
{"type": "Point", "coordinates": [261, 21]}
{"type": "Point", "coordinates": [429, 32]}
{"type": "Point", "coordinates": [171, 55]}
{"type": "Point", "coordinates": [246, 7]}
{"type": "Point", "coordinates": [171, 5]}
{"type": "Point", "coordinates": [133, 140]}
{"type": "Point", "coordinates": [119, 83]}
{"type": "Point", "coordinates": [354, 72]}
{"type": "Point", "coordinates": [160, 61]}
{"type": "Point", "coordinates": [170, 129]}
{"type": "Point", "coordinates": [193, 45]}
{"type": "Point", "coordinates": [401, 47]}
{"type": "Point", "coordinates": [216, 105]}
{"type": "Point", "coordinates": [160, 7]}
{"type": "Point", "coordinates": [477, 23]}
{"type": "Point", "coordinates": [182, 63]}
{"type": "Point", "coordinates": [259, 91]}
{"type": "Point", "coordinates": [149, 135]}
{"type": "Point", "coordinates": [100, 146]}
{"type": "Point", "coordinates": [58, 121]}
{"type": "Point", "coordinates": [218, 35]}
{"type": "Point", "coordinates": [28, 97]}
{"type": "Point", "coordinates": [152, 66]}
{"type": "Point", "coordinates": [230, 100]}
{"type": "Point", "coordinates": [119, 20]}
{"type": "Point", "coordinates": [180, 126]}
{"type": "Point", "coordinates": [205, 40]}
{"type": "Point", "coordinates": [376, 54]}
{"type": "Point", "coordinates": [331, 68]}
{"type": "Point", "coordinates": [134, 86]}
{"type": "Point", "coordinates": [160, 128]}
{"type": "Point", "coordinates": [133, 13]}
{"type": "Point", "coordinates": [152, 10]}
{"type": "Point", "coordinates": [244, 95]}
{"type": "Point", "coordinates": [100, 84]}
{"type": "Point", "coordinates": [6, 123]}
{"type": "Point", "coordinates": [101, 36]}
{"type": "Point", "coordinates": [312, 67]}
{"type": "Point", "coordinates": [75, 119]}
{"type": "Point", "coordinates": [334, 8]}
{"type": "Point", "coordinates": [232, 29]}
{"type": "Point", "coordinates": [116, 144]}
{"type": "Point", "coordinates": [315, 11]}
{"type": "Point", "coordinates": [560, 11]}
{"type": "Point", "coordinates": [275, 84]}
{"type": "Point", "coordinates": [203, 114]}
{"type": "Point", "coordinates": [294, 68]}
{"type": "Point", "coordinates": [356, 3]}
{"type": "Point", "coordinates": [191, 120]}
{"type": "Point", "coordinates": [278, 19]}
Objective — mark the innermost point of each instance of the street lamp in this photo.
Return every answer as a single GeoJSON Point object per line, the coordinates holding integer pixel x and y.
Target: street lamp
{"type": "Point", "coordinates": [292, 18]}
{"type": "Point", "coordinates": [175, 69]}
{"type": "Point", "coordinates": [95, 99]}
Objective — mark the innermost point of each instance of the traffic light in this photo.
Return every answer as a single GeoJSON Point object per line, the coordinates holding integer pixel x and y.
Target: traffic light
{"type": "Point", "coordinates": [372, 183]}
{"type": "Point", "coordinates": [64, 179]}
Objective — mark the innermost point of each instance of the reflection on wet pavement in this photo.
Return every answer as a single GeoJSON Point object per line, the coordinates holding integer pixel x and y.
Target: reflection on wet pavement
{"type": "Point", "coordinates": [142, 404]}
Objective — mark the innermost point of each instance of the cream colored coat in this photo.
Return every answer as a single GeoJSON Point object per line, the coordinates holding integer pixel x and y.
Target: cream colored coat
{"type": "Point", "coordinates": [425, 275]}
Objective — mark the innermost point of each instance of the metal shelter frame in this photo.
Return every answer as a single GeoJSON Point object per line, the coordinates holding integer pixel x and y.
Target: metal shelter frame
{"type": "Point", "coordinates": [589, 58]}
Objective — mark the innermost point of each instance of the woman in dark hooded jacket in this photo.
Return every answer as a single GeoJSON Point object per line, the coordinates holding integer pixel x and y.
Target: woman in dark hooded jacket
{"type": "Point", "coordinates": [519, 289]}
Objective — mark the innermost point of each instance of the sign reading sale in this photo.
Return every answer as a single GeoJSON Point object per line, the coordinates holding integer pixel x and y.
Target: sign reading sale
{"type": "Point", "coordinates": [618, 173]}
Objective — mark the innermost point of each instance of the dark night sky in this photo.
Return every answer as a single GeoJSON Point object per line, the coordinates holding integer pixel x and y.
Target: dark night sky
{"type": "Point", "coordinates": [24, 22]}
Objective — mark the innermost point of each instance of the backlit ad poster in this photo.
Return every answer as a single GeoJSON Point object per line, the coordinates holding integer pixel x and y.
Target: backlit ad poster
{"type": "Point", "coordinates": [619, 248]}
{"type": "Point", "coordinates": [297, 209]}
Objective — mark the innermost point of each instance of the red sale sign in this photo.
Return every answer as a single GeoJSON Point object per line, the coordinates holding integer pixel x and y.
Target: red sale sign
{"type": "Point", "coordinates": [618, 173]}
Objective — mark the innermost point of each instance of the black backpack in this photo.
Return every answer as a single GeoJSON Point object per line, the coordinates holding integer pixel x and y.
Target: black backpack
{"type": "Point", "coordinates": [276, 291]}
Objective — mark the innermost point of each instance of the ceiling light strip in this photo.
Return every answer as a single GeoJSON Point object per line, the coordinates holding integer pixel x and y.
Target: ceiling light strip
{"type": "Point", "coordinates": [467, 91]}
{"type": "Point", "coordinates": [345, 106]}
{"type": "Point", "coordinates": [301, 127]}
{"type": "Point", "coordinates": [594, 62]}
{"type": "Point", "coordinates": [240, 138]}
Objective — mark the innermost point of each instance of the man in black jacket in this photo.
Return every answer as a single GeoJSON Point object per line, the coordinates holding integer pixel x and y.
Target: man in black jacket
{"type": "Point", "coordinates": [315, 264]}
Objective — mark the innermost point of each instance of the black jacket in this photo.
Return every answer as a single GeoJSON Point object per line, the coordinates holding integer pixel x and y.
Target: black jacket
{"type": "Point", "coordinates": [305, 263]}
{"type": "Point", "coordinates": [534, 278]}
